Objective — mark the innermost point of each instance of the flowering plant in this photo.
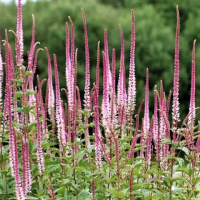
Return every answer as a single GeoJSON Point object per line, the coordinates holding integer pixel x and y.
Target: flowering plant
{"type": "Point", "coordinates": [53, 150]}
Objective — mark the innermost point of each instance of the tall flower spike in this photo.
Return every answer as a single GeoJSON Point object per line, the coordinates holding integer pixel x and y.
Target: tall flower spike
{"type": "Point", "coordinates": [69, 71]}
{"type": "Point", "coordinates": [191, 118]}
{"type": "Point", "coordinates": [132, 79]}
{"type": "Point", "coordinates": [97, 68]}
{"type": "Point", "coordinates": [146, 106]}
{"type": "Point", "coordinates": [107, 57]}
{"type": "Point", "coordinates": [97, 129]}
{"type": "Point", "coordinates": [121, 82]}
{"type": "Point", "coordinates": [19, 31]}
{"type": "Point", "coordinates": [59, 110]}
{"type": "Point", "coordinates": [40, 156]}
{"type": "Point", "coordinates": [51, 97]}
{"type": "Point", "coordinates": [113, 97]}
{"type": "Point", "coordinates": [87, 65]}
{"type": "Point", "coordinates": [105, 100]}
{"type": "Point", "coordinates": [175, 104]}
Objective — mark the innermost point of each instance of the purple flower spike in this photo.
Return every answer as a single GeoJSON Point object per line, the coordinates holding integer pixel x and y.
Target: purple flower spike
{"type": "Point", "coordinates": [175, 104]}
{"type": "Point", "coordinates": [192, 117]}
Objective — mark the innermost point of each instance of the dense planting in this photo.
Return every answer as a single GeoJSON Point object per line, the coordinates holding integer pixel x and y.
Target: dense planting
{"type": "Point", "coordinates": [87, 149]}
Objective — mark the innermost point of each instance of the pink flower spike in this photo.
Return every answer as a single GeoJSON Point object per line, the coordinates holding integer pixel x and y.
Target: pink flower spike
{"type": "Point", "coordinates": [69, 71]}
{"type": "Point", "coordinates": [51, 97]}
{"type": "Point", "coordinates": [97, 129]}
{"type": "Point", "coordinates": [121, 82]}
{"type": "Point", "coordinates": [87, 65]}
{"type": "Point", "coordinates": [59, 110]}
{"type": "Point", "coordinates": [107, 56]}
{"type": "Point", "coordinates": [32, 48]}
{"type": "Point", "coordinates": [146, 109]}
{"type": "Point", "coordinates": [19, 32]}
{"type": "Point", "coordinates": [155, 126]}
{"type": "Point", "coordinates": [191, 119]}
{"type": "Point", "coordinates": [97, 68]}
{"type": "Point", "coordinates": [132, 79]}
{"type": "Point", "coordinates": [175, 104]}
{"type": "Point", "coordinates": [40, 156]}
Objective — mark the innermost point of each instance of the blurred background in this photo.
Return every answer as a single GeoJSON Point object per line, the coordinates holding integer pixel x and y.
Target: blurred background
{"type": "Point", "coordinates": [155, 22]}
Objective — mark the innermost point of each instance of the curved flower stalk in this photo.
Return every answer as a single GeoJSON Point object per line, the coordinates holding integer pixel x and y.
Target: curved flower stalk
{"type": "Point", "coordinates": [175, 103]}
{"type": "Point", "coordinates": [40, 156]}
{"type": "Point", "coordinates": [132, 79]}
{"type": "Point", "coordinates": [19, 32]}
{"type": "Point", "coordinates": [191, 119]}
{"type": "Point", "coordinates": [59, 110]}
{"type": "Point", "coordinates": [87, 76]}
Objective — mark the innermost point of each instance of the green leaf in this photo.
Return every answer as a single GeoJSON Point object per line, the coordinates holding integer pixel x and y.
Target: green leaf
{"type": "Point", "coordinates": [28, 73]}
{"type": "Point", "coordinates": [25, 109]}
{"type": "Point", "coordinates": [29, 92]}
{"type": "Point", "coordinates": [18, 94]}
{"type": "Point", "coordinates": [84, 195]}
{"type": "Point", "coordinates": [184, 149]}
{"type": "Point", "coordinates": [17, 110]}
{"type": "Point", "coordinates": [167, 141]}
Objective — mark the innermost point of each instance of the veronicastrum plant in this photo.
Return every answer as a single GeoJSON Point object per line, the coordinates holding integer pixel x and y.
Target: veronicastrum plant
{"type": "Point", "coordinates": [84, 149]}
